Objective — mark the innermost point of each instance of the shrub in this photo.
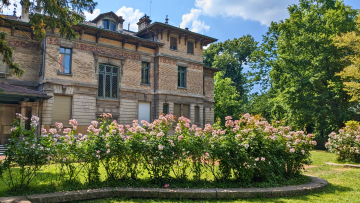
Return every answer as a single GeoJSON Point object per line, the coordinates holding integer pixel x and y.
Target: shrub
{"type": "Point", "coordinates": [346, 144]}
{"type": "Point", "coordinates": [246, 150]}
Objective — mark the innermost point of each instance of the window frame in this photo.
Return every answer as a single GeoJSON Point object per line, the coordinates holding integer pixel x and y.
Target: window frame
{"type": "Point", "coordinates": [143, 75]}
{"type": "Point", "coordinates": [180, 72]}
{"type": "Point", "coordinates": [111, 74]}
{"type": "Point", "coordinates": [188, 43]}
{"type": "Point", "coordinates": [70, 69]}
{"type": "Point", "coordinates": [172, 47]}
{"type": "Point", "coordinates": [109, 24]}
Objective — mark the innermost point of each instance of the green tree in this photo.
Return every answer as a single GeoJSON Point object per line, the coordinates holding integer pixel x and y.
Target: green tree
{"type": "Point", "coordinates": [227, 98]}
{"type": "Point", "coordinates": [61, 14]}
{"type": "Point", "coordinates": [299, 60]}
{"type": "Point", "coordinates": [350, 42]}
{"type": "Point", "coordinates": [231, 56]}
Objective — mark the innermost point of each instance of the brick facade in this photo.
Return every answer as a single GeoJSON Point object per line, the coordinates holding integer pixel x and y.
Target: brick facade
{"type": "Point", "coordinates": [125, 53]}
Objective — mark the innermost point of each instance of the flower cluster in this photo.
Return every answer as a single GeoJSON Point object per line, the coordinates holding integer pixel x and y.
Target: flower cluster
{"type": "Point", "coordinates": [346, 144]}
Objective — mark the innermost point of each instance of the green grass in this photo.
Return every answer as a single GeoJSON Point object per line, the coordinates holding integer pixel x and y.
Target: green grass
{"type": "Point", "coordinates": [344, 185]}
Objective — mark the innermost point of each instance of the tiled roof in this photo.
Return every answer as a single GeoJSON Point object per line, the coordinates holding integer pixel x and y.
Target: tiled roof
{"type": "Point", "coordinates": [12, 89]}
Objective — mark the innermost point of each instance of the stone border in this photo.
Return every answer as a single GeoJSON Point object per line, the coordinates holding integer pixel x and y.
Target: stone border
{"type": "Point", "coordinates": [344, 165]}
{"type": "Point", "coordinates": [230, 193]}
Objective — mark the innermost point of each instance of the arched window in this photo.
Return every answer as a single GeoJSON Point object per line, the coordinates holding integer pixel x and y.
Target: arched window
{"type": "Point", "coordinates": [108, 81]}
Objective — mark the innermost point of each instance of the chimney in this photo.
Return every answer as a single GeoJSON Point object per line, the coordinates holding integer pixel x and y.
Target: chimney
{"type": "Point", "coordinates": [143, 22]}
{"type": "Point", "coordinates": [120, 23]}
{"type": "Point", "coordinates": [24, 13]}
{"type": "Point", "coordinates": [166, 20]}
{"type": "Point", "coordinates": [186, 28]}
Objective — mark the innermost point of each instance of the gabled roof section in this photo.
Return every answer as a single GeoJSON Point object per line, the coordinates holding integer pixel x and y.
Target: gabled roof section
{"type": "Point", "coordinates": [157, 26]}
{"type": "Point", "coordinates": [112, 14]}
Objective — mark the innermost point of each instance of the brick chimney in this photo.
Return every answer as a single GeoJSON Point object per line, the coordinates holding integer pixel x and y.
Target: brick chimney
{"type": "Point", "coordinates": [120, 23]}
{"type": "Point", "coordinates": [24, 13]}
{"type": "Point", "coordinates": [143, 22]}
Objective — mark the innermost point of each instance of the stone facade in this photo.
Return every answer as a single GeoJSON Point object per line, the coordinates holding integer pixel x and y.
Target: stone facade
{"type": "Point", "coordinates": [126, 51]}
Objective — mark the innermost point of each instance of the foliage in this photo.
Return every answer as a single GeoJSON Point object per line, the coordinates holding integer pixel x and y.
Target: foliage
{"type": "Point", "coordinates": [298, 61]}
{"type": "Point", "coordinates": [247, 150]}
{"type": "Point", "coordinates": [350, 43]}
{"type": "Point", "coordinates": [227, 98]}
{"type": "Point", "coordinates": [231, 56]}
{"type": "Point", "coordinates": [59, 14]}
{"type": "Point", "coordinates": [27, 152]}
{"type": "Point", "coordinates": [346, 144]}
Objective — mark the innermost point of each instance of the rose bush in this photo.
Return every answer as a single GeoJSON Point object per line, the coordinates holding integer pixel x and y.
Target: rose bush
{"type": "Point", "coordinates": [249, 149]}
{"type": "Point", "coordinates": [346, 144]}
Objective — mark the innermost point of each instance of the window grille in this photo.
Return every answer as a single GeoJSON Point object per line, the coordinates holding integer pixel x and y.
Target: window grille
{"type": "Point", "coordinates": [181, 77]}
{"type": "Point", "coordinates": [173, 44]}
{"type": "Point", "coordinates": [190, 48]}
{"type": "Point", "coordinates": [145, 73]}
{"type": "Point", "coordinates": [65, 60]}
{"type": "Point", "coordinates": [108, 81]}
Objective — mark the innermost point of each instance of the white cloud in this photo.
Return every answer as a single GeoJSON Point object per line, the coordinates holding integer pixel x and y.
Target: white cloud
{"type": "Point", "coordinates": [92, 16]}
{"type": "Point", "coordinates": [192, 19]}
{"type": "Point", "coordinates": [198, 26]}
{"type": "Point", "coordinates": [263, 11]}
{"type": "Point", "coordinates": [130, 16]}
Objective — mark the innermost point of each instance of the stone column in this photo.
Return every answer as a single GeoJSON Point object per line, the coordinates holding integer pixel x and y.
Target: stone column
{"type": "Point", "coordinates": [192, 113]}
{"type": "Point", "coordinates": [23, 112]}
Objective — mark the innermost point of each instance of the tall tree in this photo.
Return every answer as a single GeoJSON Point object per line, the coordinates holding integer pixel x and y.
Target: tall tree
{"type": "Point", "coordinates": [300, 60]}
{"type": "Point", "coordinates": [231, 56]}
{"type": "Point", "coordinates": [62, 14]}
{"type": "Point", "coordinates": [227, 99]}
{"type": "Point", "coordinates": [350, 43]}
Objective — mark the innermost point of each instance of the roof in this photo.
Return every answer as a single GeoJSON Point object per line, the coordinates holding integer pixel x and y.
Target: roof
{"type": "Point", "coordinates": [12, 89]}
{"type": "Point", "coordinates": [212, 69]}
{"type": "Point", "coordinates": [154, 25]}
{"type": "Point", "coordinates": [118, 18]}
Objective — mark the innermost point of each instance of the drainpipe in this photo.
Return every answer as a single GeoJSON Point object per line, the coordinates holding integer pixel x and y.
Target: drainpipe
{"type": "Point", "coordinates": [156, 50]}
{"type": "Point", "coordinates": [43, 65]}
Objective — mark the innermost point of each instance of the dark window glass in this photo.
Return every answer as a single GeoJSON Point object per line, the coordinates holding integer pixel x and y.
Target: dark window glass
{"type": "Point", "coordinates": [112, 26]}
{"type": "Point", "coordinates": [173, 44]}
{"type": "Point", "coordinates": [145, 73]}
{"type": "Point", "coordinates": [165, 109]}
{"type": "Point", "coordinates": [106, 24]}
{"type": "Point", "coordinates": [65, 60]}
{"type": "Point", "coordinates": [190, 48]}
{"type": "Point", "coordinates": [181, 76]}
{"type": "Point", "coordinates": [108, 81]}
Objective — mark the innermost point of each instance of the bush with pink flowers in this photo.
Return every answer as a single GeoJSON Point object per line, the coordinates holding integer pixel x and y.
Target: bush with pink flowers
{"type": "Point", "coordinates": [346, 143]}
{"type": "Point", "coordinates": [246, 150]}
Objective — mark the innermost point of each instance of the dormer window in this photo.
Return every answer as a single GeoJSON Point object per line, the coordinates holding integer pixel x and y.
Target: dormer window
{"type": "Point", "coordinates": [109, 24]}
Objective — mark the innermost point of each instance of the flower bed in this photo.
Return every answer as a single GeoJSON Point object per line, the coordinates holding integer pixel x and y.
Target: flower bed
{"type": "Point", "coordinates": [246, 151]}
{"type": "Point", "coordinates": [346, 144]}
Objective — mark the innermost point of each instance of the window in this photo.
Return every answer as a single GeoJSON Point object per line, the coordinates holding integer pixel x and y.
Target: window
{"type": "Point", "coordinates": [145, 73]}
{"type": "Point", "coordinates": [190, 47]}
{"type": "Point", "coordinates": [62, 109]}
{"type": "Point", "coordinates": [186, 111]}
{"type": "Point", "coordinates": [173, 43]}
{"type": "Point", "coordinates": [197, 114]}
{"type": "Point", "coordinates": [65, 60]}
{"type": "Point", "coordinates": [110, 25]}
{"type": "Point", "coordinates": [181, 77]}
{"type": "Point", "coordinates": [3, 66]}
{"type": "Point", "coordinates": [108, 81]}
{"type": "Point", "coordinates": [165, 109]}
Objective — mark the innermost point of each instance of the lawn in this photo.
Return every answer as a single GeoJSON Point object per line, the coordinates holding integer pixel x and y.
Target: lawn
{"type": "Point", "coordinates": [344, 185]}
